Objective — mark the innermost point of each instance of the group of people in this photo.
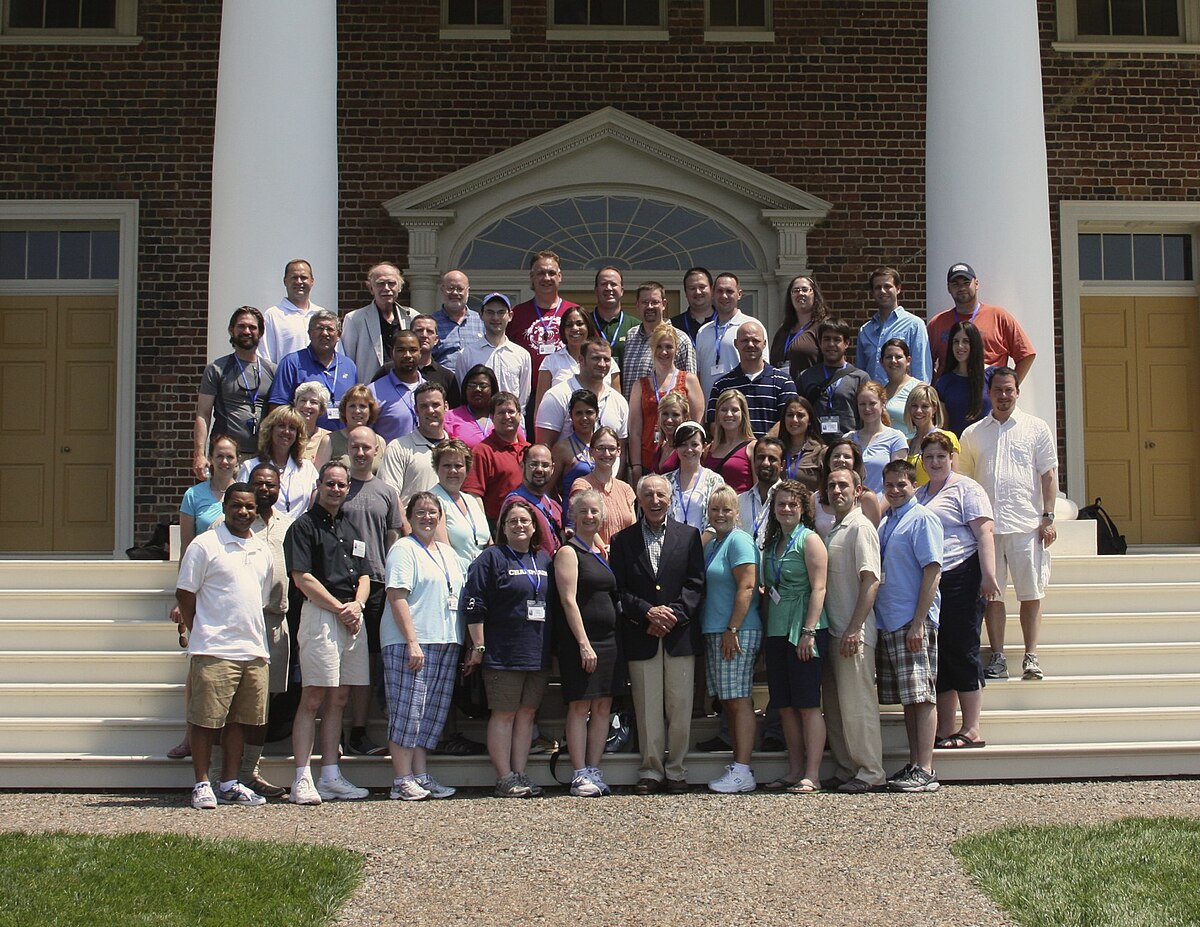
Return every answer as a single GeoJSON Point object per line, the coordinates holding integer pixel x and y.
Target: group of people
{"type": "Point", "coordinates": [371, 497]}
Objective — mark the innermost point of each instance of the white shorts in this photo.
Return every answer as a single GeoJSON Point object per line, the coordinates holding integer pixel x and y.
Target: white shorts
{"type": "Point", "coordinates": [329, 654]}
{"type": "Point", "coordinates": [1025, 559]}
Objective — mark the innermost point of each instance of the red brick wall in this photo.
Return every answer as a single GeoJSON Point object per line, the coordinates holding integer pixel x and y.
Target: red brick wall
{"type": "Point", "coordinates": [835, 106]}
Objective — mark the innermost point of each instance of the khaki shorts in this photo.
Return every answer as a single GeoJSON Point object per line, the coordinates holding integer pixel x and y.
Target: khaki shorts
{"type": "Point", "coordinates": [330, 655]}
{"type": "Point", "coordinates": [1024, 559]}
{"type": "Point", "coordinates": [508, 690]}
{"type": "Point", "coordinates": [227, 691]}
{"type": "Point", "coordinates": [279, 642]}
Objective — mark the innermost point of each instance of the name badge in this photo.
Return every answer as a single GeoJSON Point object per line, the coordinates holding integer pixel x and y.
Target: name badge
{"type": "Point", "coordinates": [359, 549]}
{"type": "Point", "coordinates": [830, 425]}
{"type": "Point", "coordinates": [535, 610]}
{"type": "Point", "coordinates": [882, 578]}
{"type": "Point", "coordinates": [546, 349]}
{"type": "Point", "coordinates": [717, 370]}
{"type": "Point", "coordinates": [775, 596]}
{"type": "Point", "coordinates": [453, 602]}
{"type": "Point", "coordinates": [334, 414]}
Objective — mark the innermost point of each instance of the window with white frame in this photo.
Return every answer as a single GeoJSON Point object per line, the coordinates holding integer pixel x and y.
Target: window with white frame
{"type": "Point", "coordinates": [1128, 23]}
{"type": "Point", "coordinates": [1121, 256]}
{"type": "Point", "coordinates": [738, 14]}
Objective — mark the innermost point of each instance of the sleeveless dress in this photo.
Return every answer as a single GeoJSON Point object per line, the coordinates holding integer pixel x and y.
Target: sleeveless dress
{"type": "Point", "coordinates": [596, 596]}
{"type": "Point", "coordinates": [650, 401]}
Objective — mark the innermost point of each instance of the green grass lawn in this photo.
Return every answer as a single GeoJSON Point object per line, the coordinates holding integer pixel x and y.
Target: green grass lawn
{"type": "Point", "coordinates": [1136, 872]}
{"type": "Point", "coordinates": [166, 879]}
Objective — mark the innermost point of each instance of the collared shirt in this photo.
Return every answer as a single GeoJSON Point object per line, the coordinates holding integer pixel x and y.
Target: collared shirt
{"type": "Point", "coordinates": [753, 512]}
{"type": "Point", "coordinates": [397, 406]}
{"type": "Point", "coordinates": [767, 395]}
{"type": "Point", "coordinates": [509, 362]}
{"type": "Point", "coordinates": [638, 362]}
{"type": "Point", "coordinates": [688, 325]}
{"type": "Point", "coordinates": [901, 324]}
{"type": "Point", "coordinates": [286, 330]}
{"type": "Point", "coordinates": [231, 578]}
{"type": "Point", "coordinates": [433, 372]}
{"type": "Point", "coordinates": [301, 366]}
{"type": "Point", "coordinates": [553, 413]}
{"type": "Point", "coordinates": [239, 390]}
{"type": "Point", "coordinates": [853, 549]}
{"type": "Point", "coordinates": [716, 353]}
{"type": "Point", "coordinates": [1008, 459]}
{"type": "Point", "coordinates": [654, 538]}
{"type": "Point", "coordinates": [408, 464]}
{"type": "Point", "coordinates": [616, 331]}
{"type": "Point", "coordinates": [910, 538]}
{"type": "Point", "coordinates": [454, 336]}
{"type": "Point", "coordinates": [323, 545]}
{"type": "Point", "coordinates": [495, 472]}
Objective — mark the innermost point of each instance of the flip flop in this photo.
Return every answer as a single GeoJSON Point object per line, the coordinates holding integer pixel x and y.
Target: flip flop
{"type": "Point", "coordinates": [180, 751]}
{"type": "Point", "coordinates": [781, 784]}
{"type": "Point", "coordinates": [959, 742]}
{"type": "Point", "coordinates": [804, 787]}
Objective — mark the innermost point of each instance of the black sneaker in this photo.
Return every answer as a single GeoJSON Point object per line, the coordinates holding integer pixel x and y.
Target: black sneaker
{"type": "Point", "coordinates": [901, 773]}
{"type": "Point", "coordinates": [365, 746]}
{"type": "Point", "coordinates": [713, 745]}
{"type": "Point", "coordinates": [772, 745]}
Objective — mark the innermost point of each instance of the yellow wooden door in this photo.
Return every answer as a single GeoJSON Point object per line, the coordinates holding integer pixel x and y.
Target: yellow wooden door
{"type": "Point", "coordinates": [58, 423]}
{"type": "Point", "coordinates": [1141, 423]}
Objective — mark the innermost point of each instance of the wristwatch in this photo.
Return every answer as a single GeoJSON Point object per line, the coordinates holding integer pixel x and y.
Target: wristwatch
{"type": "Point", "coordinates": [1049, 515]}
{"type": "Point", "coordinates": [479, 648]}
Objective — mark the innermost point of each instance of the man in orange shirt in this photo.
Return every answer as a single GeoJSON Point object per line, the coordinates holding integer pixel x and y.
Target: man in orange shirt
{"type": "Point", "coordinates": [1003, 336]}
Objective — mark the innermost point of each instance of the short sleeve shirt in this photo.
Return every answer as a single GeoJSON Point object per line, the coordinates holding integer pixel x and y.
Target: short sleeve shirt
{"type": "Point", "coordinates": [324, 545]}
{"type": "Point", "coordinates": [720, 589]}
{"type": "Point", "coordinates": [239, 392]}
{"type": "Point", "coordinates": [959, 502]}
{"type": "Point", "coordinates": [853, 549]}
{"type": "Point", "coordinates": [910, 538]}
{"type": "Point", "coordinates": [1008, 459]}
{"type": "Point", "coordinates": [432, 576]}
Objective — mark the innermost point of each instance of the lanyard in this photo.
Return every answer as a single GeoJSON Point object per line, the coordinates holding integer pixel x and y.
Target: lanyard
{"type": "Point", "coordinates": [545, 323]}
{"type": "Point", "coordinates": [289, 470]}
{"type": "Point", "coordinates": [793, 465]}
{"type": "Point", "coordinates": [719, 330]}
{"type": "Point", "coordinates": [684, 493]}
{"type": "Point", "coordinates": [483, 432]}
{"type": "Point", "coordinates": [324, 371]}
{"type": "Point", "coordinates": [532, 574]}
{"type": "Point", "coordinates": [600, 560]}
{"type": "Point", "coordinates": [251, 394]}
{"type": "Point", "coordinates": [831, 385]}
{"type": "Point", "coordinates": [777, 562]}
{"type": "Point", "coordinates": [578, 448]}
{"type": "Point", "coordinates": [547, 513]}
{"type": "Point", "coordinates": [445, 569]}
{"type": "Point", "coordinates": [787, 346]}
{"type": "Point", "coordinates": [601, 326]}
{"type": "Point", "coordinates": [758, 513]}
{"type": "Point", "coordinates": [688, 322]}
{"type": "Point", "coordinates": [713, 548]}
{"type": "Point", "coordinates": [658, 395]}
{"type": "Point", "coordinates": [465, 509]}
{"type": "Point", "coordinates": [946, 333]}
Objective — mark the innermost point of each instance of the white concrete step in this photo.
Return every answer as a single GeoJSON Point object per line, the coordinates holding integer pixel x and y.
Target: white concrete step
{"type": "Point", "coordinates": [1086, 598]}
{"type": "Point", "coordinates": [1051, 726]}
{"type": "Point", "coordinates": [1181, 690]}
{"type": "Point", "coordinates": [92, 700]}
{"type": "Point", "coordinates": [88, 574]}
{"type": "Point", "coordinates": [45, 667]}
{"type": "Point", "coordinates": [1131, 568]}
{"type": "Point", "coordinates": [68, 770]}
{"type": "Point", "coordinates": [1105, 626]}
{"type": "Point", "coordinates": [89, 603]}
{"type": "Point", "coordinates": [113, 635]}
{"type": "Point", "coordinates": [1133, 659]}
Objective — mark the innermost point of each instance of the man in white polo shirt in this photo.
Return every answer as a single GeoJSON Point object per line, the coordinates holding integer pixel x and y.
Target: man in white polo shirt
{"type": "Point", "coordinates": [554, 414]}
{"type": "Point", "coordinates": [225, 579]}
{"type": "Point", "coordinates": [1012, 455]}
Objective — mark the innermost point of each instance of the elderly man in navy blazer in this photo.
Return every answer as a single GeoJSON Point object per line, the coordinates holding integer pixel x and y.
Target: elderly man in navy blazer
{"type": "Point", "coordinates": [659, 566]}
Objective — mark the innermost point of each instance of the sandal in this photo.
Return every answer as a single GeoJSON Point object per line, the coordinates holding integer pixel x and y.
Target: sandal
{"type": "Point", "coordinates": [782, 784]}
{"type": "Point", "coordinates": [959, 741]}
{"type": "Point", "coordinates": [181, 751]}
{"type": "Point", "coordinates": [804, 787]}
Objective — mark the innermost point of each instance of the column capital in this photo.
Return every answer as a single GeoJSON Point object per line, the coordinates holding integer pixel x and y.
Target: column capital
{"type": "Point", "coordinates": [792, 226]}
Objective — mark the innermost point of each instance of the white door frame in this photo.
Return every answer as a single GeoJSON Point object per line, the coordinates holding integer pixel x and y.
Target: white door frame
{"type": "Point", "coordinates": [1126, 216]}
{"type": "Point", "coordinates": [125, 214]}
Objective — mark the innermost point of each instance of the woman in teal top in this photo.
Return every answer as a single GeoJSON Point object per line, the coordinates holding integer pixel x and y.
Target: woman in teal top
{"type": "Point", "coordinates": [732, 632]}
{"type": "Point", "coordinates": [793, 574]}
{"type": "Point", "coordinates": [465, 526]}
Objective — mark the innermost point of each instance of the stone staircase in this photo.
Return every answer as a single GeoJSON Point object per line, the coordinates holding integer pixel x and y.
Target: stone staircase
{"type": "Point", "coordinates": [91, 685]}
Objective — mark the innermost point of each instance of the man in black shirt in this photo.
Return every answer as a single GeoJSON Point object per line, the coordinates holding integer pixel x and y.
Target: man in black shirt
{"type": "Point", "coordinates": [326, 558]}
{"type": "Point", "coordinates": [832, 386]}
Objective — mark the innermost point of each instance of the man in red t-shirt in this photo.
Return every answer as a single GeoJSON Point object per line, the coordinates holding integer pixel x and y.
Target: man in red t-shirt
{"type": "Point", "coordinates": [1003, 336]}
{"type": "Point", "coordinates": [496, 465]}
{"type": "Point", "coordinates": [534, 324]}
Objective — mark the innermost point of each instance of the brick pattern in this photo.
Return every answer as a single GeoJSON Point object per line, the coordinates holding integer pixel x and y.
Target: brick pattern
{"type": "Point", "coordinates": [820, 108]}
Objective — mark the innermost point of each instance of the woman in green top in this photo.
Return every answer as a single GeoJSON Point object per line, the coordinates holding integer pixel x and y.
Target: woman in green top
{"type": "Point", "coordinates": [793, 574]}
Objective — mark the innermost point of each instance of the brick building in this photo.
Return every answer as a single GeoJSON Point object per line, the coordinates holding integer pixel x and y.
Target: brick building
{"type": "Point", "coordinates": [765, 137]}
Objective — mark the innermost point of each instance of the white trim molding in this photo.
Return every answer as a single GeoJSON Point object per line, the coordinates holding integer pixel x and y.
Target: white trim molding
{"type": "Point", "coordinates": [125, 214]}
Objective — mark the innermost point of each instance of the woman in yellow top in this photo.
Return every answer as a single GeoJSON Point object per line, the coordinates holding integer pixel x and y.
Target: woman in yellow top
{"type": "Point", "coordinates": [793, 575]}
{"type": "Point", "coordinates": [925, 414]}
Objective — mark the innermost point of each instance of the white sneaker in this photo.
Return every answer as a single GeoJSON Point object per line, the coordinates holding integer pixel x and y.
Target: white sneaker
{"type": "Point", "coordinates": [339, 789]}
{"type": "Point", "coordinates": [239, 795]}
{"type": "Point", "coordinates": [433, 787]}
{"type": "Point", "coordinates": [593, 773]}
{"type": "Point", "coordinates": [408, 789]}
{"type": "Point", "coordinates": [203, 798]}
{"type": "Point", "coordinates": [303, 792]}
{"type": "Point", "coordinates": [582, 786]}
{"type": "Point", "coordinates": [733, 781]}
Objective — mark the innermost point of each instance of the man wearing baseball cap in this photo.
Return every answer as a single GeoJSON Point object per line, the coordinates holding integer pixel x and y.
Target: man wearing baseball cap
{"type": "Point", "coordinates": [509, 361]}
{"type": "Point", "coordinates": [1003, 336]}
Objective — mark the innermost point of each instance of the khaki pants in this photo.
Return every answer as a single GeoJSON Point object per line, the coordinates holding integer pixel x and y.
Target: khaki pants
{"type": "Point", "coordinates": [662, 698]}
{"type": "Point", "coordinates": [851, 709]}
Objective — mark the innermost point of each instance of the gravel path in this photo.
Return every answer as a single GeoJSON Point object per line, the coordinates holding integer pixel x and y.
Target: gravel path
{"type": "Point", "coordinates": [824, 859]}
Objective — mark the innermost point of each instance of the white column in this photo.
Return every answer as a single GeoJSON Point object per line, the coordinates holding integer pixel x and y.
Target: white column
{"type": "Point", "coordinates": [987, 199]}
{"type": "Point", "coordinates": [425, 269]}
{"type": "Point", "coordinates": [275, 180]}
